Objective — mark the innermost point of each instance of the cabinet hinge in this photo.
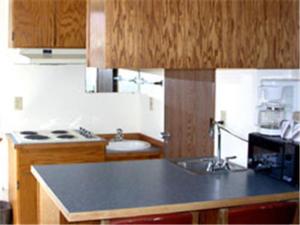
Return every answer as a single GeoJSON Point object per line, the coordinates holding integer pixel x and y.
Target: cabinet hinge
{"type": "Point", "coordinates": [18, 185]}
{"type": "Point", "coordinates": [13, 36]}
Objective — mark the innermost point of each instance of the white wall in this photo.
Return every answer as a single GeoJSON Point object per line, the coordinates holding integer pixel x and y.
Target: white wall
{"type": "Point", "coordinates": [54, 98]}
{"type": "Point", "coordinates": [236, 93]}
{"type": "Point", "coordinates": [152, 104]}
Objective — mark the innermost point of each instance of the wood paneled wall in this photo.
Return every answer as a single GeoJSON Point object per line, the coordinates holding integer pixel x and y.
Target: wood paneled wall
{"type": "Point", "coordinates": [193, 34]}
{"type": "Point", "coordinates": [189, 105]}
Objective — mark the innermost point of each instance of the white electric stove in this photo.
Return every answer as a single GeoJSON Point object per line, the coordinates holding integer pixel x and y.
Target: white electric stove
{"type": "Point", "coordinates": [54, 136]}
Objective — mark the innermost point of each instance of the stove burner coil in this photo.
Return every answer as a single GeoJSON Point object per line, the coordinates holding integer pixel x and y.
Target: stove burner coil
{"type": "Point", "coordinates": [59, 132]}
{"type": "Point", "coordinates": [36, 137]}
{"type": "Point", "coordinates": [67, 136]}
{"type": "Point", "coordinates": [28, 132]}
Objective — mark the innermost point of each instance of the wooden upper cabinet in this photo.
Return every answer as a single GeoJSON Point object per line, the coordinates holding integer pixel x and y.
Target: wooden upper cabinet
{"type": "Point", "coordinates": [70, 23]}
{"type": "Point", "coordinates": [47, 23]}
{"type": "Point", "coordinates": [193, 34]}
{"type": "Point", "coordinates": [32, 23]}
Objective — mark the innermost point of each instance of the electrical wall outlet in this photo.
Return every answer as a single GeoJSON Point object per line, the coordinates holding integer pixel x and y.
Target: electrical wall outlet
{"type": "Point", "coordinates": [151, 104]}
{"type": "Point", "coordinates": [223, 116]}
{"type": "Point", "coordinates": [18, 103]}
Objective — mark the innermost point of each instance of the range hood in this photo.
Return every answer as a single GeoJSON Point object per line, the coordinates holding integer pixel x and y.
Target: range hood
{"type": "Point", "coordinates": [50, 56]}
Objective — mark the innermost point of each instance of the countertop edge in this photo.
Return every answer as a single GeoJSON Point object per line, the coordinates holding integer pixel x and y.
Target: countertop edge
{"type": "Point", "coordinates": [174, 208]}
{"type": "Point", "coordinates": [159, 209]}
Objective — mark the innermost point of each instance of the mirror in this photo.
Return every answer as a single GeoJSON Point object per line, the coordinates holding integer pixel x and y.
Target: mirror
{"type": "Point", "coordinates": [121, 80]}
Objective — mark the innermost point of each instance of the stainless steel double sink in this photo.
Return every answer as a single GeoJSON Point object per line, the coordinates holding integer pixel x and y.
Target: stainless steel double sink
{"type": "Point", "coordinates": [200, 165]}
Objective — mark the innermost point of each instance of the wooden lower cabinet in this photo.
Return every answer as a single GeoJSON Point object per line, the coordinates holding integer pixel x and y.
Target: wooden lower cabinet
{"type": "Point", "coordinates": [133, 156]}
{"type": "Point", "coordinates": [23, 186]}
{"type": "Point", "coordinates": [265, 213]}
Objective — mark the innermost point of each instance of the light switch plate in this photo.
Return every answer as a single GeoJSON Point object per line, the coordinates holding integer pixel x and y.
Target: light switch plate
{"type": "Point", "coordinates": [18, 103]}
{"type": "Point", "coordinates": [223, 116]}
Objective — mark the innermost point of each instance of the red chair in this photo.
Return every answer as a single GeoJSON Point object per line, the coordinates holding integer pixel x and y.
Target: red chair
{"type": "Point", "coordinates": [175, 218]}
{"type": "Point", "coordinates": [267, 213]}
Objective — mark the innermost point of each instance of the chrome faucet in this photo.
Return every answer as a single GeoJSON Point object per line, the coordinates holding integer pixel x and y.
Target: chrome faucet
{"type": "Point", "coordinates": [219, 163]}
{"type": "Point", "coordinates": [212, 134]}
{"type": "Point", "coordinates": [215, 165]}
{"type": "Point", "coordinates": [119, 135]}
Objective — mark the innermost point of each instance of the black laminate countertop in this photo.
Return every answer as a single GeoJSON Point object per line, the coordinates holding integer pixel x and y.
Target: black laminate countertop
{"type": "Point", "coordinates": [108, 187]}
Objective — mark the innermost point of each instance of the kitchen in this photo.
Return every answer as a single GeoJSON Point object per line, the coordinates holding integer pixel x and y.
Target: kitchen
{"type": "Point", "coordinates": [104, 113]}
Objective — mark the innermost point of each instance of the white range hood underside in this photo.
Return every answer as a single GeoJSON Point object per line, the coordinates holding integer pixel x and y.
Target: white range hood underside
{"type": "Point", "coordinates": [50, 56]}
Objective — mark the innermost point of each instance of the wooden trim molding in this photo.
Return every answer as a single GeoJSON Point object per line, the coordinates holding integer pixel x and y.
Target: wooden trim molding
{"type": "Point", "coordinates": [223, 216]}
{"type": "Point", "coordinates": [162, 209]}
{"type": "Point", "coordinates": [296, 217]}
{"type": "Point", "coordinates": [68, 145]}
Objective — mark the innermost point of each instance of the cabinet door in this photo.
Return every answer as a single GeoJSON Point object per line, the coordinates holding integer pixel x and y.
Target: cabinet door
{"type": "Point", "coordinates": [152, 19]}
{"type": "Point", "coordinates": [193, 34]}
{"type": "Point", "coordinates": [123, 33]}
{"type": "Point", "coordinates": [26, 210]}
{"type": "Point", "coordinates": [32, 23]}
{"type": "Point", "coordinates": [70, 26]}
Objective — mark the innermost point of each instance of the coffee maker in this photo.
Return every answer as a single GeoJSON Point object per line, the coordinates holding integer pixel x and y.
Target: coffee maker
{"type": "Point", "coordinates": [275, 104]}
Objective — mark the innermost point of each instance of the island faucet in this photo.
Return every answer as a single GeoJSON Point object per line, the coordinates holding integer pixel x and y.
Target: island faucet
{"type": "Point", "coordinates": [212, 134]}
{"type": "Point", "coordinates": [219, 163]}
{"type": "Point", "coordinates": [119, 135]}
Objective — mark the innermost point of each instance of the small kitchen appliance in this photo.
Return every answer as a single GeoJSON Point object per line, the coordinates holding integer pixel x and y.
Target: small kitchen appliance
{"type": "Point", "coordinates": [290, 129]}
{"type": "Point", "coordinates": [269, 118]}
{"type": "Point", "coordinates": [277, 99]}
{"type": "Point", "coordinates": [275, 157]}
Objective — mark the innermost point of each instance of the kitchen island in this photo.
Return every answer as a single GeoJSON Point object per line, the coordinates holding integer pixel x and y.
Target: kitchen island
{"type": "Point", "coordinates": [103, 191]}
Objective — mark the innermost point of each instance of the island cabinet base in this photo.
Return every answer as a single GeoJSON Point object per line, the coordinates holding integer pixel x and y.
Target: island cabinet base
{"type": "Point", "coordinates": [49, 213]}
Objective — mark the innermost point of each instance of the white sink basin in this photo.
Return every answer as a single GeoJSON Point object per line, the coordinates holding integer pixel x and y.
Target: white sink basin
{"type": "Point", "coordinates": [127, 145]}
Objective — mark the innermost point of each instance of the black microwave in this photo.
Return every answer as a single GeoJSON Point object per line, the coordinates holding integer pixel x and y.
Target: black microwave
{"type": "Point", "coordinates": [275, 157]}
